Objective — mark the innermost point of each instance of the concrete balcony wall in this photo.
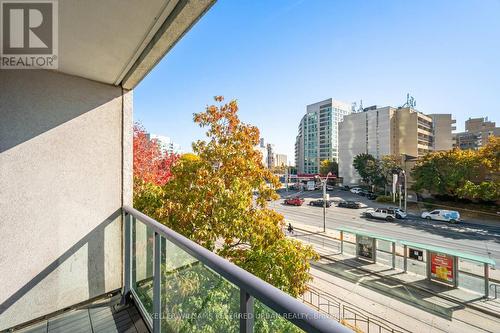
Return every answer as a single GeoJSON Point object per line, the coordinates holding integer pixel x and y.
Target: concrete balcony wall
{"type": "Point", "coordinates": [65, 171]}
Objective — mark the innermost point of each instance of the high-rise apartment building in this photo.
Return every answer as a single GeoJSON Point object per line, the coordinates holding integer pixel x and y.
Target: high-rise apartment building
{"type": "Point", "coordinates": [280, 160]}
{"type": "Point", "coordinates": [166, 144]}
{"type": "Point", "coordinates": [317, 138]}
{"type": "Point", "coordinates": [412, 133]}
{"type": "Point", "coordinates": [442, 127]}
{"type": "Point", "coordinates": [370, 132]}
{"type": "Point", "coordinates": [387, 131]}
{"type": "Point", "coordinates": [477, 132]}
{"type": "Point", "coordinates": [263, 150]}
{"type": "Point", "coordinates": [270, 158]}
{"type": "Point", "coordinates": [270, 155]}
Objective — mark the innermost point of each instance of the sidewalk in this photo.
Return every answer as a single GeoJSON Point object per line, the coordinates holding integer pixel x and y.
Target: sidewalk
{"type": "Point", "coordinates": [361, 294]}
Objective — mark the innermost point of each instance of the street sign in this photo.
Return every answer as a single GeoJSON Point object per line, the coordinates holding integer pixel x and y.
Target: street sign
{"type": "Point", "coordinates": [416, 254]}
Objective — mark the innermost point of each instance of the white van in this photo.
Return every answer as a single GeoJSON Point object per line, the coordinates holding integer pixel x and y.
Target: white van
{"type": "Point", "coordinates": [451, 216]}
{"type": "Point", "coordinates": [311, 185]}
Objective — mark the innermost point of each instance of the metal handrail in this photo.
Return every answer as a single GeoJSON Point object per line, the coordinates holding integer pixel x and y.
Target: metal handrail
{"type": "Point", "coordinates": [355, 314]}
{"type": "Point", "coordinates": [283, 304]}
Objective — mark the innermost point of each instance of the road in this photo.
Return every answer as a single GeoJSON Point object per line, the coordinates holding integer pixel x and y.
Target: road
{"type": "Point", "coordinates": [483, 240]}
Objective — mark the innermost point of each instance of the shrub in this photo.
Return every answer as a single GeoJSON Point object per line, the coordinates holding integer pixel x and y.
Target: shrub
{"type": "Point", "coordinates": [384, 198]}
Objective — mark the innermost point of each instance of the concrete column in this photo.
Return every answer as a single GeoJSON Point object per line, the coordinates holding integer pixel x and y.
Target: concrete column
{"type": "Point", "coordinates": [486, 281]}
{"type": "Point", "coordinates": [405, 263]}
{"type": "Point", "coordinates": [455, 272]}
{"type": "Point", "coordinates": [428, 264]}
{"type": "Point", "coordinates": [356, 247]}
{"type": "Point", "coordinates": [393, 255]}
{"type": "Point", "coordinates": [341, 242]}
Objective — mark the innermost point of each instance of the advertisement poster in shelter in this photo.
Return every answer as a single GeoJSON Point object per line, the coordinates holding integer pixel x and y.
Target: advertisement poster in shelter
{"type": "Point", "coordinates": [442, 267]}
{"type": "Point", "coordinates": [365, 247]}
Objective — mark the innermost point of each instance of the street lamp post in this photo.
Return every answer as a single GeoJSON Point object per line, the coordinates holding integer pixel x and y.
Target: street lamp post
{"type": "Point", "coordinates": [405, 191]}
{"type": "Point", "coordinates": [406, 187]}
{"type": "Point", "coordinates": [286, 178]}
{"type": "Point", "coordinates": [324, 201]}
{"type": "Point", "coordinates": [400, 195]}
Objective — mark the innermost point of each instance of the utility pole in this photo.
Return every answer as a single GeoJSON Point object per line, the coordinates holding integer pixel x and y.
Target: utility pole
{"type": "Point", "coordinates": [324, 201]}
{"type": "Point", "coordinates": [286, 178]}
{"type": "Point", "coordinates": [400, 195]}
{"type": "Point", "coordinates": [406, 187]}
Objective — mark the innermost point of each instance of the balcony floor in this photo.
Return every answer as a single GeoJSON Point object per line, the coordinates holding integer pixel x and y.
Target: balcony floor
{"type": "Point", "coordinates": [98, 317]}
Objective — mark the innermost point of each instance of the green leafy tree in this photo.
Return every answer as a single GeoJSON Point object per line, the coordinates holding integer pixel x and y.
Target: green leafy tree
{"type": "Point", "coordinates": [210, 200]}
{"type": "Point", "coordinates": [368, 167]}
{"type": "Point", "coordinates": [389, 165]}
{"type": "Point", "coordinates": [459, 173]}
{"type": "Point", "coordinates": [327, 166]}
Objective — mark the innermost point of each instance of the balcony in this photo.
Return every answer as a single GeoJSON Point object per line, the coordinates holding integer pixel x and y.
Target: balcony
{"type": "Point", "coordinates": [176, 285]}
{"type": "Point", "coordinates": [174, 280]}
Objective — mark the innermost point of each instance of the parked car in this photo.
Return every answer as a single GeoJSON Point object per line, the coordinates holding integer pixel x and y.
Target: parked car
{"type": "Point", "coordinates": [372, 196]}
{"type": "Point", "coordinates": [356, 190]}
{"type": "Point", "coordinates": [295, 201]}
{"type": "Point", "coordinates": [381, 213]}
{"type": "Point", "coordinates": [330, 187]}
{"type": "Point", "coordinates": [296, 186]}
{"type": "Point", "coordinates": [400, 214]}
{"type": "Point", "coordinates": [349, 204]}
{"type": "Point", "coordinates": [451, 216]}
{"type": "Point", "coordinates": [319, 203]}
{"type": "Point", "coordinates": [345, 188]}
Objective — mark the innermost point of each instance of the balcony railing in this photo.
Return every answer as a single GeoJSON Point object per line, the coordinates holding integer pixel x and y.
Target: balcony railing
{"type": "Point", "coordinates": [179, 285]}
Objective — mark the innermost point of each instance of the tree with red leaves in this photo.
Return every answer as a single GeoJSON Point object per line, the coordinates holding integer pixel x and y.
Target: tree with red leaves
{"type": "Point", "coordinates": [151, 165]}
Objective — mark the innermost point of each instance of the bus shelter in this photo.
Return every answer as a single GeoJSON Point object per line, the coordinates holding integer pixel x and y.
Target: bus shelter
{"type": "Point", "coordinates": [369, 246]}
{"type": "Point", "coordinates": [437, 264]}
{"type": "Point", "coordinates": [450, 266]}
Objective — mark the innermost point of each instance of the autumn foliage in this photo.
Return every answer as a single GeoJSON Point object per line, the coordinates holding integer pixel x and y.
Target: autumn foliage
{"type": "Point", "coordinates": [218, 197]}
{"type": "Point", "coordinates": [151, 165]}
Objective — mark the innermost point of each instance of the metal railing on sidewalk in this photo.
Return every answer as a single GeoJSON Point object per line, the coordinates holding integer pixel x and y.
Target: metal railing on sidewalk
{"type": "Point", "coordinates": [356, 319]}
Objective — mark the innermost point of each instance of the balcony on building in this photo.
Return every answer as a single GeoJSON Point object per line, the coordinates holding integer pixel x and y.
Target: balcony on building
{"type": "Point", "coordinates": [75, 256]}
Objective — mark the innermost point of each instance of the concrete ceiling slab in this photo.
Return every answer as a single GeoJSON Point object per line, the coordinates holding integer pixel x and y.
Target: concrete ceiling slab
{"type": "Point", "coordinates": [109, 40]}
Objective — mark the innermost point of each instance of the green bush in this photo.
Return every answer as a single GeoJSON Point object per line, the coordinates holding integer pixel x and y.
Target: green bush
{"type": "Point", "coordinates": [384, 198]}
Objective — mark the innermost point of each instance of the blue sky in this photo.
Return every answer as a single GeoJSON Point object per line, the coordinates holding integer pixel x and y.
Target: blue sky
{"type": "Point", "coordinates": [275, 57]}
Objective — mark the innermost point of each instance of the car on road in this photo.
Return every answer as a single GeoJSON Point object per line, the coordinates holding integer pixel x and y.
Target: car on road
{"type": "Point", "coordinates": [349, 204]}
{"type": "Point", "coordinates": [356, 190]}
{"type": "Point", "coordinates": [369, 194]}
{"type": "Point", "coordinates": [400, 214]}
{"type": "Point", "coordinates": [451, 216]}
{"type": "Point", "coordinates": [381, 213]}
{"type": "Point", "coordinates": [295, 201]}
{"type": "Point", "coordinates": [319, 203]}
{"type": "Point", "coordinates": [345, 188]}
{"type": "Point", "coordinates": [330, 187]}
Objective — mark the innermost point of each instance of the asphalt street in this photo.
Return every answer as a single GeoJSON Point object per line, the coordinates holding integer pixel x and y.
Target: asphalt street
{"type": "Point", "coordinates": [473, 238]}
